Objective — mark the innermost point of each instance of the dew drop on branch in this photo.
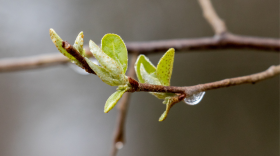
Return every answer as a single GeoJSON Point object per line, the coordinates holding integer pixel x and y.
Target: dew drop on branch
{"type": "Point", "coordinates": [79, 70]}
{"type": "Point", "coordinates": [194, 99]}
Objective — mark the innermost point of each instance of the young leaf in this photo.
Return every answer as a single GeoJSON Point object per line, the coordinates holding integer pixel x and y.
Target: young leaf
{"type": "Point", "coordinates": [165, 113]}
{"type": "Point", "coordinates": [105, 61]}
{"type": "Point", "coordinates": [58, 43]}
{"type": "Point", "coordinates": [114, 47]}
{"type": "Point", "coordinates": [148, 78]}
{"type": "Point", "coordinates": [165, 66]}
{"type": "Point", "coordinates": [169, 101]}
{"type": "Point", "coordinates": [112, 100]}
{"type": "Point", "coordinates": [148, 66]}
{"type": "Point", "coordinates": [104, 75]}
{"type": "Point", "coordinates": [79, 43]}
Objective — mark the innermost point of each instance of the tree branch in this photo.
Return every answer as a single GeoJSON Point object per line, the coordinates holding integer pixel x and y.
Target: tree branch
{"type": "Point", "coordinates": [189, 90]}
{"type": "Point", "coordinates": [225, 41]}
{"type": "Point", "coordinates": [71, 50]}
{"type": "Point", "coordinates": [119, 137]}
{"type": "Point", "coordinates": [32, 62]}
{"type": "Point", "coordinates": [211, 16]}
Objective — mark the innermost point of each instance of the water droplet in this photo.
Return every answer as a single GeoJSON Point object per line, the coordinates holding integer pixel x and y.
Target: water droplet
{"type": "Point", "coordinates": [119, 145]}
{"type": "Point", "coordinates": [80, 70]}
{"type": "Point", "coordinates": [194, 99]}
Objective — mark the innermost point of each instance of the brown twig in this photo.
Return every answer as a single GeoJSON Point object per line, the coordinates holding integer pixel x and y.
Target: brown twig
{"type": "Point", "coordinates": [254, 78]}
{"type": "Point", "coordinates": [189, 90]}
{"type": "Point", "coordinates": [211, 16]}
{"type": "Point", "coordinates": [224, 41]}
{"type": "Point", "coordinates": [31, 62]}
{"type": "Point", "coordinates": [119, 138]}
{"type": "Point", "coordinates": [71, 50]}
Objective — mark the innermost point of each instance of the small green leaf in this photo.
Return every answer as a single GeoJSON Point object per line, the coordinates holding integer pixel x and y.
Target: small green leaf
{"type": "Point", "coordinates": [79, 43]}
{"type": "Point", "coordinates": [107, 62]}
{"type": "Point", "coordinates": [165, 66]}
{"type": "Point", "coordinates": [169, 103]}
{"type": "Point", "coordinates": [148, 78]}
{"type": "Point", "coordinates": [112, 100]}
{"type": "Point", "coordinates": [114, 47]}
{"type": "Point", "coordinates": [104, 75]}
{"type": "Point", "coordinates": [148, 66]}
{"type": "Point", "coordinates": [58, 43]}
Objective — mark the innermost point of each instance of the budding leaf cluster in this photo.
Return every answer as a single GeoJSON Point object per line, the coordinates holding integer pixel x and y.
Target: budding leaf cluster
{"type": "Point", "coordinates": [113, 58]}
{"type": "Point", "coordinates": [160, 75]}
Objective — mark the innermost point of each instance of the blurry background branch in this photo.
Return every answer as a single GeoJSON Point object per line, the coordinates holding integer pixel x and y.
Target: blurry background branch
{"type": "Point", "coordinates": [223, 41]}
{"type": "Point", "coordinates": [211, 16]}
{"type": "Point", "coordinates": [119, 135]}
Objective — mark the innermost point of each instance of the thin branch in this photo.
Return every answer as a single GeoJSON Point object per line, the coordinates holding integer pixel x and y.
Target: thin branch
{"type": "Point", "coordinates": [211, 16]}
{"type": "Point", "coordinates": [119, 137]}
{"type": "Point", "coordinates": [189, 90]}
{"type": "Point", "coordinates": [71, 50]}
{"type": "Point", "coordinates": [32, 62]}
{"type": "Point", "coordinates": [226, 41]}
{"type": "Point", "coordinates": [254, 78]}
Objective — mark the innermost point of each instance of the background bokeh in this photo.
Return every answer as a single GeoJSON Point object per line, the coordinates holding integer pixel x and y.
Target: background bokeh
{"type": "Point", "coordinates": [55, 111]}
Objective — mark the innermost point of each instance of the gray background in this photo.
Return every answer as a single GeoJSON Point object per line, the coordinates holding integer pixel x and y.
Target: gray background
{"type": "Point", "coordinates": [55, 111]}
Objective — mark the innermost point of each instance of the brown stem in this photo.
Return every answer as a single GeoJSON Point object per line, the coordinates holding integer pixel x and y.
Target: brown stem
{"type": "Point", "coordinates": [32, 62]}
{"type": "Point", "coordinates": [189, 90]}
{"type": "Point", "coordinates": [145, 87]}
{"type": "Point", "coordinates": [211, 16]}
{"type": "Point", "coordinates": [71, 50]}
{"type": "Point", "coordinates": [254, 78]}
{"type": "Point", "coordinates": [223, 41]}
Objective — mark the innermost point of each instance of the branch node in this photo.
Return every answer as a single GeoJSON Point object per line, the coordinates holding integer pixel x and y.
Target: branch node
{"type": "Point", "coordinates": [134, 84]}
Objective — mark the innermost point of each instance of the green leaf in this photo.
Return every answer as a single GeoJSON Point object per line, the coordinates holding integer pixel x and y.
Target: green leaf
{"type": "Point", "coordinates": [148, 78]}
{"type": "Point", "coordinates": [107, 62]}
{"type": "Point", "coordinates": [114, 47]}
{"type": "Point", "coordinates": [79, 43]}
{"type": "Point", "coordinates": [169, 103]}
{"type": "Point", "coordinates": [165, 66]}
{"type": "Point", "coordinates": [112, 100]}
{"type": "Point", "coordinates": [148, 66]}
{"type": "Point", "coordinates": [165, 113]}
{"type": "Point", "coordinates": [58, 43]}
{"type": "Point", "coordinates": [104, 75]}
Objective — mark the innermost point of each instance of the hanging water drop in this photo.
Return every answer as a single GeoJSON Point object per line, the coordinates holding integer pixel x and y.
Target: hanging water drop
{"type": "Point", "coordinates": [80, 70]}
{"type": "Point", "coordinates": [194, 99]}
{"type": "Point", "coordinates": [119, 145]}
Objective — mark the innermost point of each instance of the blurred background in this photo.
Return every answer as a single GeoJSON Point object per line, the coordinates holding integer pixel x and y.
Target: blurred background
{"type": "Point", "coordinates": [56, 111]}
